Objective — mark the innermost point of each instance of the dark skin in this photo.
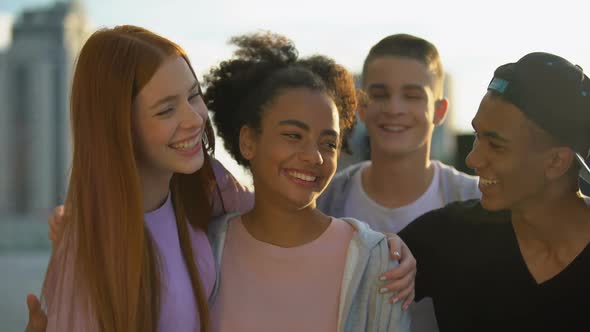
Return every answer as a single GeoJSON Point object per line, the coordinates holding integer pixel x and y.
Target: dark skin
{"type": "Point", "coordinates": [530, 176]}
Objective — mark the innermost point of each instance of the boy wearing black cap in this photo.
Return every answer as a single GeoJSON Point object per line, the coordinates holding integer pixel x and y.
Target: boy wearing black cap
{"type": "Point", "coordinates": [519, 258]}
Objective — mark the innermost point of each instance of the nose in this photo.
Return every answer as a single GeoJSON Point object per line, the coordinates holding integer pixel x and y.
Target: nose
{"type": "Point", "coordinates": [474, 159]}
{"type": "Point", "coordinates": [193, 115]}
{"type": "Point", "coordinates": [311, 154]}
{"type": "Point", "coordinates": [394, 105]}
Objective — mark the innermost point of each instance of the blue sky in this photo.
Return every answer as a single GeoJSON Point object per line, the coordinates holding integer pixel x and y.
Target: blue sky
{"type": "Point", "coordinates": [473, 37]}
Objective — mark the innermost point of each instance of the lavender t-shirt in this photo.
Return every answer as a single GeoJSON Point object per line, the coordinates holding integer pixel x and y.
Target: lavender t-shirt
{"type": "Point", "coordinates": [178, 305]}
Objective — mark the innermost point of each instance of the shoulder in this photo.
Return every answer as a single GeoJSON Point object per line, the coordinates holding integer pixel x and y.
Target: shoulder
{"type": "Point", "coordinates": [453, 221]}
{"type": "Point", "coordinates": [363, 234]}
{"type": "Point", "coordinates": [218, 226]}
{"type": "Point", "coordinates": [330, 201]}
{"type": "Point", "coordinates": [346, 174]}
{"type": "Point", "coordinates": [459, 185]}
{"type": "Point", "coordinates": [453, 175]}
{"type": "Point", "coordinates": [442, 219]}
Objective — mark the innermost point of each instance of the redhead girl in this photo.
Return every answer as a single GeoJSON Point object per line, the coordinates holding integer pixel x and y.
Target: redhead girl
{"type": "Point", "coordinates": [131, 252]}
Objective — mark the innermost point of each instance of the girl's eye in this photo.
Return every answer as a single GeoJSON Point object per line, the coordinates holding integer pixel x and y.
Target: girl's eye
{"type": "Point", "coordinates": [331, 145]}
{"type": "Point", "coordinates": [195, 95]}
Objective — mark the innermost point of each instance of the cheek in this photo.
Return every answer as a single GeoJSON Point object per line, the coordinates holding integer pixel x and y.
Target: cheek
{"type": "Point", "coordinates": [330, 161]}
{"type": "Point", "coordinates": [157, 133]}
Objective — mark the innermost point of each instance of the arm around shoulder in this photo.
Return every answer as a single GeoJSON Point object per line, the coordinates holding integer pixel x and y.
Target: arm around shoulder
{"type": "Point", "coordinates": [230, 195]}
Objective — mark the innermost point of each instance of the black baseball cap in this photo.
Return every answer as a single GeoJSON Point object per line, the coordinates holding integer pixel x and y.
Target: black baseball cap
{"type": "Point", "coordinates": [554, 94]}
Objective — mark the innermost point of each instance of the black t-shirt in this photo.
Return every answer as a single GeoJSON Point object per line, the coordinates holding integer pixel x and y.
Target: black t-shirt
{"type": "Point", "coordinates": [470, 264]}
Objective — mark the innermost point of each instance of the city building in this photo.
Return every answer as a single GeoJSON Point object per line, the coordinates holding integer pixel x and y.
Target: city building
{"type": "Point", "coordinates": [35, 76]}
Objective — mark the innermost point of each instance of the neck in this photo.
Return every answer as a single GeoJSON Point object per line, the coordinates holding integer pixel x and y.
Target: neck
{"type": "Point", "coordinates": [556, 219]}
{"type": "Point", "coordinates": [282, 226]}
{"type": "Point", "coordinates": [394, 181]}
{"type": "Point", "coordinates": [154, 188]}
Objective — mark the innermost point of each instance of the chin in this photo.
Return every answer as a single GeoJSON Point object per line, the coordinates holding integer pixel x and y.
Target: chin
{"type": "Point", "coordinates": [302, 203]}
{"type": "Point", "coordinates": [490, 205]}
{"type": "Point", "coordinates": [190, 167]}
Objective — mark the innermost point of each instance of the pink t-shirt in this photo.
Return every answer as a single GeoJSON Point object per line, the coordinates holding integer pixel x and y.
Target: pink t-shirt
{"type": "Point", "coordinates": [264, 287]}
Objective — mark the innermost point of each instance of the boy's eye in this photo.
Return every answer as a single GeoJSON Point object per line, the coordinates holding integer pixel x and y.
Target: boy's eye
{"type": "Point", "coordinates": [378, 95]}
{"type": "Point", "coordinates": [495, 146]}
{"type": "Point", "coordinates": [292, 135]}
{"type": "Point", "coordinates": [414, 96]}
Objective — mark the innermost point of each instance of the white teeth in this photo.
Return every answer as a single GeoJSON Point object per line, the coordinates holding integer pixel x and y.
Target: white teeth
{"type": "Point", "coordinates": [302, 176]}
{"type": "Point", "coordinates": [394, 129]}
{"type": "Point", "coordinates": [487, 182]}
{"type": "Point", "coordinates": [186, 145]}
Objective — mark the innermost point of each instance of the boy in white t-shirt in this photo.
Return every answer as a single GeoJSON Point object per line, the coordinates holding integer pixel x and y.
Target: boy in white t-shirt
{"type": "Point", "coordinates": [403, 81]}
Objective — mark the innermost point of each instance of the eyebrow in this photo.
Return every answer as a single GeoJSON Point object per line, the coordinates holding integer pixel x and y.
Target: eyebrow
{"type": "Point", "coordinates": [377, 86]}
{"type": "Point", "coordinates": [413, 87]}
{"type": "Point", "coordinates": [382, 86]}
{"type": "Point", "coordinates": [304, 126]}
{"type": "Point", "coordinates": [495, 135]}
{"type": "Point", "coordinates": [173, 97]}
{"type": "Point", "coordinates": [492, 134]}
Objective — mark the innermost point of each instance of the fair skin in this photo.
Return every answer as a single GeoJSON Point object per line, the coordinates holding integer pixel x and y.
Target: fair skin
{"type": "Point", "coordinates": [549, 218]}
{"type": "Point", "coordinates": [168, 121]}
{"type": "Point", "coordinates": [402, 277]}
{"type": "Point", "coordinates": [404, 105]}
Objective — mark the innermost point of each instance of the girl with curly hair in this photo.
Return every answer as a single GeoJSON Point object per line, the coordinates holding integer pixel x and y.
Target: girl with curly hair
{"type": "Point", "coordinates": [136, 259]}
{"type": "Point", "coordinates": [284, 265]}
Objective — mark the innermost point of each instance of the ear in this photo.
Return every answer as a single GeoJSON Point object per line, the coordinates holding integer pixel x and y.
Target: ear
{"type": "Point", "coordinates": [559, 161]}
{"type": "Point", "coordinates": [440, 111]}
{"type": "Point", "coordinates": [362, 109]}
{"type": "Point", "coordinates": [363, 102]}
{"type": "Point", "coordinates": [248, 142]}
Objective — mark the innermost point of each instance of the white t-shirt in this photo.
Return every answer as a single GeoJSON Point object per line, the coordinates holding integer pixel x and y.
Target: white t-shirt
{"type": "Point", "coordinates": [387, 220]}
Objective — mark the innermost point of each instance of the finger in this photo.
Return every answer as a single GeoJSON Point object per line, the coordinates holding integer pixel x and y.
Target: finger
{"type": "Point", "coordinates": [57, 217]}
{"type": "Point", "coordinates": [34, 306]}
{"type": "Point", "coordinates": [406, 295]}
{"type": "Point", "coordinates": [53, 229]}
{"type": "Point", "coordinates": [37, 318]}
{"type": "Point", "coordinates": [395, 246]}
{"type": "Point", "coordinates": [395, 249]}
{"type": "Point", "coordinates": [399, 285]}
{"type": "Point", "coordinates": [32, 303]}
{"type": "Point", "coordinates": [59, 211]}
{"type": "Point", "coordinates": [403, 269]}
{"type": "Point", "coordinates": [409, 300]}
{"type": "Point", "coordinates": [406, 252]}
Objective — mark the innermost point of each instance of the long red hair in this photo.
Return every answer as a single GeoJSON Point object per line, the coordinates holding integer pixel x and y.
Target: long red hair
{"type": "Point", "coordinates": [105, 269]}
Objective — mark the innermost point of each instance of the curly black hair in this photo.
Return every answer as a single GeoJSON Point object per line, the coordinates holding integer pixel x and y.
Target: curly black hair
{"type": "Point", "coordinates": [265, 64]}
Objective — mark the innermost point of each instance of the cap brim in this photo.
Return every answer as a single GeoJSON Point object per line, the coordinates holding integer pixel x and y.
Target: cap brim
{"type": "Point", "coordinates": [584, 169]}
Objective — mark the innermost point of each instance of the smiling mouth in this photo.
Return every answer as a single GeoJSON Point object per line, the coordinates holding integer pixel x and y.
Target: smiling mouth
{"type": "Point", "coordinates": [303, 177]}
{"type": "Point", "coordinates": [393, 128]}
{"type": "Point", "coordinates": [186, 145]}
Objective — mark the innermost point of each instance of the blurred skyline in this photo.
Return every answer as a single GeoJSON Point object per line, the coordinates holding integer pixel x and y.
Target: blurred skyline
{"type": "Point", "coordinates": [473, 38]}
